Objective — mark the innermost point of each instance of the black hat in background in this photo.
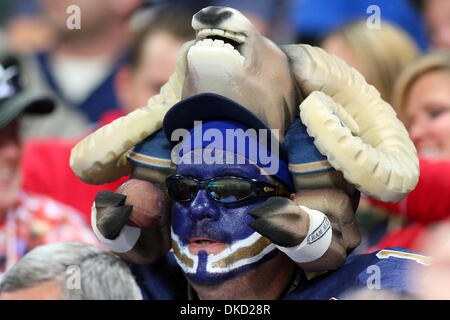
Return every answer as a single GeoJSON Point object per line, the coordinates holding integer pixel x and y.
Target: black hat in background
{"type": "Point", "coordinates": [13, 99]}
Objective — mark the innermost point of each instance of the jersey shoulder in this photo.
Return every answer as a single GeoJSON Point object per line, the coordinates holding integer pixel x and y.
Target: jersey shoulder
{"type": "Point", "coordinates": [388, 269]}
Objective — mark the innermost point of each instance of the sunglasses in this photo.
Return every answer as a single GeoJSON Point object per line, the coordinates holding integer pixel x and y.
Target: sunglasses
{"type": "Point", "coordinates": [225, 190]}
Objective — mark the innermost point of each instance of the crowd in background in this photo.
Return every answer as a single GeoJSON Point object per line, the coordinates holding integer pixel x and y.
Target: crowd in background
{"type": "Point", "coordinates": [125, 51]}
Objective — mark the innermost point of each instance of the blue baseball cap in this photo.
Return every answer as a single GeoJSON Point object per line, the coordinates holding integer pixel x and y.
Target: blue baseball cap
{"type": "Point", "coordinates": [240, 131]}
{"type": "Point", "coordinates": [210, 107]}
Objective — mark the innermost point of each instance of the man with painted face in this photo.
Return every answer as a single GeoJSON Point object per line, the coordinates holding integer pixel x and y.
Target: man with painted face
{"type": "Point", "coordinates": [219, 179]}
{"type": "Point", "coordinates": [235, 230]}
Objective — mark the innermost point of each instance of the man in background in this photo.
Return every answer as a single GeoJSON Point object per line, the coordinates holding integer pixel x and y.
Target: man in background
{"type": "Point", "coordinates": [69, 271]}
{"type": "Point", "coordinates": [79, 71]}
{"type": "Point", "coordinates": [152, 61]}
{"type": "Point", "coordinates": [26, 220]}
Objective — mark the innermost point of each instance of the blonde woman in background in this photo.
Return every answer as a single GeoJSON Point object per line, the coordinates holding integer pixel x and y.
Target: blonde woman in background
{"type": "Point", "coordinates": [380, 55]}
{"type": "Point", "coordinates": [433, 72]}
{"type": "Point", "coordinates": [422, 98]}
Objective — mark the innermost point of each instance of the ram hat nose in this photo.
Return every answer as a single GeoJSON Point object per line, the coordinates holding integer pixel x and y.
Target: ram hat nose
{"type": "Point", "coordinates": [213, 16]}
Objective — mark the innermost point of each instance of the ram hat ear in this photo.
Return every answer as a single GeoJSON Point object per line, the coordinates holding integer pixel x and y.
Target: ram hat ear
{"type": "Point", "coordinates": [99, 158]}
{"type": "Point", "coordinates": [358, 132]}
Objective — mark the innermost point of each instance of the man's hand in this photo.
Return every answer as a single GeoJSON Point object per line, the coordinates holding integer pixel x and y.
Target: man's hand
{"type": "Point", "coordinates": [147, 201]}
{"type": "Point", "coordinates": [286, 224]}
{"type": "Point", "coordinates": [136, 203]}
{"type": "Point", "coordinates": [281, 221]}
{"type": "Point", "coordinates": [112, 213]}
{"type": "Point", "coordinates": [340, 208]}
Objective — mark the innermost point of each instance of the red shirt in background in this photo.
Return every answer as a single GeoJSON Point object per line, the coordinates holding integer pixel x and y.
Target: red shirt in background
{"type": "Point", "coordinates": [46, 170]}
{"type": "Point", "coordinates": [427, 204]}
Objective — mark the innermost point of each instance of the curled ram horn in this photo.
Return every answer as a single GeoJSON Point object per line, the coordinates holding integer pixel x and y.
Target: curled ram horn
{"type": "Point", "coordinates": [378, 158]}
{"type": "Point", "coordinates": [99, 158]}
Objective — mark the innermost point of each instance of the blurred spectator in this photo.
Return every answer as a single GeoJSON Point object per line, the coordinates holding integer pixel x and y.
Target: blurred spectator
{"type": "Point", "coordinates": [437, 18]}
{"type": "Point", "coordinates": [153, 56]}
{"type": "Point", "coordinates": [315, 18]}
{"type": "Point", "coordinates": [153, 59]}
{"type": "Point", "coordinates": [69, 271]}
{"type": "Point", "coordinates": [26, 220]}
{"type": "Point", "coordinates": [380, 55]}
{"type": "Point", "coordinates": [422, 100]}
{"type": "Point", "coordinates": [79, 71]}
{"type": "Point", "coordinates": [27, 29]}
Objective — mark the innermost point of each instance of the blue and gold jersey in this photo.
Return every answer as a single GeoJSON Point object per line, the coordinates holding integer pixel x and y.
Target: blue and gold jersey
{"type": "Point", "coordinates": [387, 269]}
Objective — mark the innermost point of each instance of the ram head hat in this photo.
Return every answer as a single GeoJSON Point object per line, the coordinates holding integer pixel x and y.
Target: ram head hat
{"type": "Point", "coordinates": [352, 126]}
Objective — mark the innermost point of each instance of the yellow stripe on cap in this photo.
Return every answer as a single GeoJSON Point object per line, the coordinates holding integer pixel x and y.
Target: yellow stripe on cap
{"type": "Point", "coordinates": [151, 161]}
{"type": "Point", "coordinates": [309, 167]}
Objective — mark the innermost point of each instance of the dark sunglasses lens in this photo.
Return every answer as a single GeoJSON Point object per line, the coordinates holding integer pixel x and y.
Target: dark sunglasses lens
{"type": "Point", "coordinates": [182, 189]}
{"type": "Point", "coordinates": [228, 190]}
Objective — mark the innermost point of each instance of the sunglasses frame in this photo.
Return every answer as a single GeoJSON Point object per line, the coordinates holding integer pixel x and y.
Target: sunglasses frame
{"type": "Point", "coordinates": [259, 189]}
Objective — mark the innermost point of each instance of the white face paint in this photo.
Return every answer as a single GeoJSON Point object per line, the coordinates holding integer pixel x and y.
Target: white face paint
{"type": "Point", "coordinates": [224, 264]}
{"type": "Point", "coordinates": [213, 242]}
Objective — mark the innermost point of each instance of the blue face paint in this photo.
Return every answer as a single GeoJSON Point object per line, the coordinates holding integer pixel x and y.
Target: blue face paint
{"type": "Point", "coordinates": [213, 242]}
{"type": "Point", "coordinates": [205, 219]}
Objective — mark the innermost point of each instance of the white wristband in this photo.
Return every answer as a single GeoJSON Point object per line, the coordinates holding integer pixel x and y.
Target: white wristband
{"type": "Point", "coordinates": [316, 242]}
{"type": "Point", "coordinates": [124, 242]}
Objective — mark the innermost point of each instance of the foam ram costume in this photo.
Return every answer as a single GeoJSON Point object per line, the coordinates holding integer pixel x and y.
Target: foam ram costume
{"type": "Point", "coordinates": [360, 139]}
